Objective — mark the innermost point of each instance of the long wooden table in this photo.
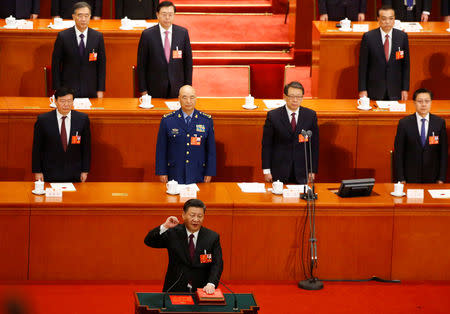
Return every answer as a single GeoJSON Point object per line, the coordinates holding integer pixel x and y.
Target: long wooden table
{"type": "Point", "coordinates": [97, 233]}
{"type": "Point", "coordinates": [335, 59]}
{"type": "Point", "coordinates": [353, 143]}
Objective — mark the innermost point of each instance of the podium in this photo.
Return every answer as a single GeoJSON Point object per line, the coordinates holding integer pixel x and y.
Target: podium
{"type": "Point", "coordinates": [151, 303]}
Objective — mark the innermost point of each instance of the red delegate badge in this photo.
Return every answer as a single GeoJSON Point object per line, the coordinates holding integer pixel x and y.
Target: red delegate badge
{"type": "Point", "coordinates": [433, 140]}
{"type": "Point", "coordinates": [177, 54]}
{"type": "Point", "coordinates": [76, 139]}
{"type": "Point", "coordinates": [400, 54]}
{"type": "Point", "coordinates": [195, 140]}
{"type": "Point", "coordinates": [301, 139]}
{"type": "Point", "coordinates": [93, 56]}
{"type": "Point", "coordinates": [205, 258]}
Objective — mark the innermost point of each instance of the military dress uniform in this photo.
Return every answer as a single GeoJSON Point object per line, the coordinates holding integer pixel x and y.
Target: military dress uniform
{"type": "Point", "coordinates": [186, 153]}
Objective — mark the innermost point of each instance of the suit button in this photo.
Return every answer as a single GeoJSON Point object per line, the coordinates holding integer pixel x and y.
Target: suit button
{"type": "Point", "coordinates": [187, 144]}
{"type": "Point", "coordinates": [187, 135]}
{"type": "Point", "coordinates": [187, 161]}
{"type": "Point", "coordinates": [187, 153]}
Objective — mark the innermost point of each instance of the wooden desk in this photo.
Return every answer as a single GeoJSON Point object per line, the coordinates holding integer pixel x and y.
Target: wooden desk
{"type": "Point", "coordinates": [97, 233]}
{"type": "Point", "coordinates": [335, 59]}
{"type": "Point", "coordinates": [352, 143]}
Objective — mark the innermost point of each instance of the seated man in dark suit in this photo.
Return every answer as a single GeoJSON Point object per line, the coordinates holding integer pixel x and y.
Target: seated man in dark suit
{"type": "Point", "coordinates": [64, 8]}
{"type": "Point", "coordinates": [164, 61]}
{"type": "Point", "coordinates": [20, 9]}
{"type": "Point", "coordinates": [79, 59]}
{"type": "Point", "coordinates": [420, 147]}
{"type": "Point", "coordinates": [410, 10]}
{"type": "Point", "coordinates": [62, 142]}
{"type": "Point", "coordinates": [283, 145]}
{"type": "Point", "coordinates": [384, 60]}
{"type": "Point", "coordinates": [445, 10]}
{"type": "Point", "coordinates": [336, 10]}
{"type": "Point", "coordinates": [195, 254]}
{"type": "Point", "coordinates": [136, 9]}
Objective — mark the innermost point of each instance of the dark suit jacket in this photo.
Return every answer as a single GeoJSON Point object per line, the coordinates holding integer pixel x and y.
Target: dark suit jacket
{"type": "Point", "coordinates": [64, 8]}
{"type": "Point", "coordinates": [136, 9]}
{"type": "Point", "coordinates": [336, 8]}
{"type": "Point", "coordinates": [20, 9]}
{"type": "Point", "coordinates": [48, 153]}
{"type": "Point", "coordinates": [176, 242]}
{"type": "Point", "coordinates": [375, 74]}
{"type": "Point", "coordinates": [154, 71]}
{"type": "Point", "coordinates": [445, 7]}
{"type": "Point", "coordinates": [281, 147]}
{"type": "Point", "coordinates": [71, 70]}
{"type": "Point", "coordinates": [417, 164]}
{"type": "Point", "coordinates": [400, 8]}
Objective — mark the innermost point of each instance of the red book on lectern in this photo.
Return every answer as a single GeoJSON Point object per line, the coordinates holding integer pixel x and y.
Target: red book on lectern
{"type": "Point", "coordinates": [217, 296]}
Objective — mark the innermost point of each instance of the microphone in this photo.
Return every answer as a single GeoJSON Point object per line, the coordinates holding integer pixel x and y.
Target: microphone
{"type": "Point", "coordinates": [235, 307]}
{"type": "Point", "coordinates": [309, 134]}
{"type": "Point", "coordinates": [168, 290]}
{"type": "Point", "coordinates": [305, 136]}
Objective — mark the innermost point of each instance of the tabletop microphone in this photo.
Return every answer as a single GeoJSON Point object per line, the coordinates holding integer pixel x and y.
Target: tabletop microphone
{"type": "Point", "coordinates": [235, 307]}
{"type": "Point", "coordinates": [309, 134]}
{"type": "Point", "coordinates": [168, 290]}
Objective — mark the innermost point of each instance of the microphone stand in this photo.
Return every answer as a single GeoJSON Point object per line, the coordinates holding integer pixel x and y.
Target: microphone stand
{"type": "Point", "coordinates": [235, 307]}
{"type": "Point", "coordinates": [168, 290]}
{"type": "Point", "coordinates": [311, 283]}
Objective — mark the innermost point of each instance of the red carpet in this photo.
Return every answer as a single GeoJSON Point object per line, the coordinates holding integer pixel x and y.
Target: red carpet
{"type": "Point", "coordinates": [284, 298]}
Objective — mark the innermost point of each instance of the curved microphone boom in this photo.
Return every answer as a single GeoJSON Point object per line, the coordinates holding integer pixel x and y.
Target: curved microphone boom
{"type": "Point", "coordinates": [168, 290]}
{"type": "Point", "coordinates": [235, 307]}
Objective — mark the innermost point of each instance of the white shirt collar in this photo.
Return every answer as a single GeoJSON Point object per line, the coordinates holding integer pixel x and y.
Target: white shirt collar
{"type": "Point", "coordinates": [163, 30]}
{"type": "Point", "coordinates": [419, 117]}
{"type": "Point", "coordinates": [189, 233]}
{"type": "Point", "coordinates": [383, 34]}
{"type": "Point", "coordinates": [77, 32]}
{"type": "Point", "coordinates": [289, 112]}
{"type": "Point", "coordinates": [59, 115]}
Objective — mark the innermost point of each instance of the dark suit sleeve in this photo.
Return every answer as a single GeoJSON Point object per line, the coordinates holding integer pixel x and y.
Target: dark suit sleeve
{"type": "Point", "coordinates": [55, 10]}
{"type": "Point", "coordinates": [362, 6]}
{"type": "Point", "coordinates": [86, 147]}
{"type": "Point", "coordinates": [156, 240]}
{"type": "Point", "coordinates": [35, 9]}
{"type": "Point", "coordinates": [161, 151]}
{"type": "Point", "coordinates": [119, 9]}
{"type": "Point", "coordinates": [363, 64]}
{"type": "Point", "coordinates": [217, 266]}
{"type": "Point", "coordinates": [267, 140]}
{"type": "Point", "coordinates": [56, 62]}
{"type": "Point", "coordinates": [315, 144]}
{"type": "Point", "coordinates": [211, 152]}
{"type": "Point", "coordinates": [427, 5]}
{"type": "Point", "coordinates": [37, 144]}
{"type": "Point", "coordinates": [444, 152]}
{"type": "Point", "coordinates": [399, 152]}
{"type": "Point", "coordinates": [405, 66]}
{"type": "Point", "coordinates": [98, 5]}
{"type": "Point", "coordinates": [101, 64]}
{"type": "Point", "coordinates": [142, 59]}
{"type": "Point", "coordinates": [323, 7]}
{"type": "Point", "coordinates": [187, 62]}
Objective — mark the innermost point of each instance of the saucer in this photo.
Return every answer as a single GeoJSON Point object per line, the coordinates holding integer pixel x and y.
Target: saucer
{"type": "Point", "coordinates": [249, 107]}
{"type": "Point", "coordinates": [448, 29]}
{"type": "Point", "coordinates": [273, 192]}
{"type": "Point", "coordinates": [364, 108]}
{"type": "Point", "coordinates": [38, 193]}
{"type": "Point", "coordinates": [397, 195]}
{"type": "Point", "coordinates": [176, 193]}
{"type": "Point", "coordinates": [146, 107]}
{"type": "Point", "coordinates": [53, 105]}
{"type": "Point", "coordinates": [345, 29]}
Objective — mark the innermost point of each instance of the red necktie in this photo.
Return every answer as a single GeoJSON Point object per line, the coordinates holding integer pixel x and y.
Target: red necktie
{"type": "Point", "coordinates": [386, 47]}
{"type": "Point", "coordinates": [191, 247]}
{"type": "Point", "coordinates": [167, 46]}
{"type": "Point", "coordinates": [63, 133]}
{"type": "Point", "coordinates": [293, 123]}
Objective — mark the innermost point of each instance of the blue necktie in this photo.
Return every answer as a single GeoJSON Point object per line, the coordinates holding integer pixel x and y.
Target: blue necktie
{"type": "Point", "coordinates": [409, 3]}
{"type": "Point", "coordinates": [423, 136]}
{"type": "Point", "coordinates": [81, 47]}
{"type": "Point", "coordinates": [188, 120]}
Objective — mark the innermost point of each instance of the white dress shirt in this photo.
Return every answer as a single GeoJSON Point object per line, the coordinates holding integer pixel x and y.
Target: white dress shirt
{"type": "Point", "coordinates": [419, 123]}
{"type": "Point", "coordinates": [163, 229]}
{"type": "Point", "coordinates": [383, 39]}
{"type": "Point", "coordinates": [163, 34]}
{"type": "Point", "coordinates": [67, 123]}
{"type": "Point", "coordinates": [78, 33]}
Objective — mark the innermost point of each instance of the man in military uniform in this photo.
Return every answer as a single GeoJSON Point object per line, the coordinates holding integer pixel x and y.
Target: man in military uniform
{"type": "Point", "coordinates": [186, 148]}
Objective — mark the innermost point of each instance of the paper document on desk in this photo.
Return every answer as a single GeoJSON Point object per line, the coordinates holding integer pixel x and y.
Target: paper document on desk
{"type": "Point", "coordinates": [253, 187]}
{"type": "Point", "coordinates": [65, 187]}
{"type": "Point", "coordinates": [298, 187]}
{"type": "Point", "coordinates": [398, 107]}
{"type": "Point", "coordinates": [440, 193]}
{"type": "Point", "coordinates": [411, 27]}
{"type": "Point", "coordinates": [386, 104]}
{"type": "Point", "coordinates": [274, 103]}
{"type": "Point", "coordinates": [173, 105]}
{"type": "Point", "coordinates": [187, 186]}
{"type": "Point", "coordinates": [82, 103]}
{"type": "Point", "coordinates": [62, 25]}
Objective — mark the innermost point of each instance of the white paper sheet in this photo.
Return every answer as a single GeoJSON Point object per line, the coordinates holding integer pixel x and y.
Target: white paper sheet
{"type": "Point", "coordinates": [252, 187]}
{"type": "Point", "coordinates": [65, 187]}
{"type": "Point", "coordinates": [398, 107]}
{"type": "Point", "coordinates": [184, 186]}
{"type": "Point", "coordinates": [62, 25]}
{"type": "Point", "coordinates": [173, 105]}
{"type": "Point", "coordinates": [297, 187]}
{"type": "Point", "coordinates": [274, 103]}
{"type": "Point", "coordinates": [440, 193]}
{"type": "Point", "coordinates": [360, 28]}
{"type": "Point", "coordinates": [386, 104]}
{"type": "Point", "coordinates": [82, 103]}
{"type": "Point", "coordinates": [411, 27]}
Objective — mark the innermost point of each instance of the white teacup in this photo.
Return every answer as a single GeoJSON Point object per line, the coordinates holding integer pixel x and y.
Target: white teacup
{"type": "Point", "coordinates": [39, 186]}
{"type": "Point", "coordinates": [398, 24]}
{"type": "Point", "coordinates": [126, 22]}
{"type": "Point", "coordinates": [145, 100]}
{"type": "Point", "coordinates": [52, 99]}
{"type": "Point", "coordinates": [277, 187]}
{"type": "Point", "coordinates": [10, 20]}
{"type": "Point", "coordinates": [345, 23]}
{"type": "Point", "coordinates": [57, 20]}
{"type": "Point", "coordinates": [172, 186]}
{"type": "Point", "coordinates": [398, 188]}
{"type": "Point", "coordinates": [249, 101]}
{"type": "Point", "coordinates": [364, 102]}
